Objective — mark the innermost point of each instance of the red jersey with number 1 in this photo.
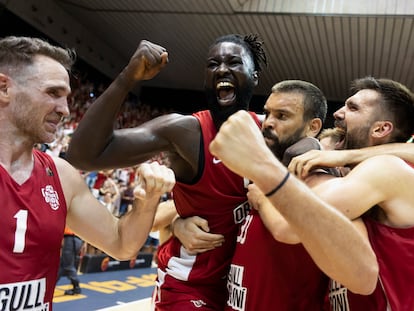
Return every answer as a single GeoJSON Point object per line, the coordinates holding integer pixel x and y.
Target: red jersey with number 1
{"type": "Point", "coordinates": [32, 222]}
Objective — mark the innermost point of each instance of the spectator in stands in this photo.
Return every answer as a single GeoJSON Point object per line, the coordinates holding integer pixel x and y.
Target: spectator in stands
{"type": "Point", "coordinates": [127, 197]}
{"type": "Point", "coordinates": [69, 260]}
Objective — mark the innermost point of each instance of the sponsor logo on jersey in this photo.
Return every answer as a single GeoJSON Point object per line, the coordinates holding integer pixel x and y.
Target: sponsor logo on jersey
{"type": "Point", "coordinates": [338, 297]}
{"type": "Point", "coordinates": [198, 303]}
{"type": "Point", "coordinates": [237, 293]}
{"type": "Point", "coordinates": [51, 196]}
{"type": "Point", "coordinates": [216, 161]}
{"type": "Point", "coordinates": [27, 295]}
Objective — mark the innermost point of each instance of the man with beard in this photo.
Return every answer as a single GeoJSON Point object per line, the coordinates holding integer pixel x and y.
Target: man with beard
{"type": "Point", "coordinates": [286, 277]}
{"type": "Point", "coordinates": [294, 112]}
{"type": "Point", "coordinates": [205, 186]}
{"type": "Point", "coordinates": [376, 194]}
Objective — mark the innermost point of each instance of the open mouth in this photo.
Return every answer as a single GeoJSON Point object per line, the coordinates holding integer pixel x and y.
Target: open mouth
{"type": "Point", "coordinates": [341, 142]}
{"type": "Point", "coordinates": [225, 93]}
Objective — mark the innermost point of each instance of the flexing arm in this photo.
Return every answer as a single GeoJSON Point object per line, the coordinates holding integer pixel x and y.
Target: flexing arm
{"type": "Point", "coordinates": [331, 239]}
{"type": "Point", "coordinates": [120, 238]}
{"type": "Point", "coordinates": [303, 164]}
{"type": "Point", "coordinates": [94, 142]}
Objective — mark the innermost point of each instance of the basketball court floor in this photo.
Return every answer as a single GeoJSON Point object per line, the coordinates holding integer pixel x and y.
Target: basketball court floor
{"type": "Point", "coordinates": [119, 290]}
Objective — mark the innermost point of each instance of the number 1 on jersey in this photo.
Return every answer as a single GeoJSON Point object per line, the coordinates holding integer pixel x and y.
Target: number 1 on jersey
{"type": "Point", "coordinates": [20, 234]}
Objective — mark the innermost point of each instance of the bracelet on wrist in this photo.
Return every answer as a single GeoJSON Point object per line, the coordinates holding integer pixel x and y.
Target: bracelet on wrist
{"type": "Point", "coordinates": [280, 185]}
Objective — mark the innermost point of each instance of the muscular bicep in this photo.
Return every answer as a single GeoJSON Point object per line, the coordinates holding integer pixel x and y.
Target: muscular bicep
{"type": "Point", "coordinates": [83, 208]}
{"type": "Point", "coordinates": [131, 146]}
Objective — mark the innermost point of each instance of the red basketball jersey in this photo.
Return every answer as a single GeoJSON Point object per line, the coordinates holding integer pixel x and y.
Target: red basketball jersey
{"type": "Point", "coordinates": [32, 221]}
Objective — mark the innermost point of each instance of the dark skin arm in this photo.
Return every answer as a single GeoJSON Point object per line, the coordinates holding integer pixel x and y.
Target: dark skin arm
{"type": "Point", "coordinates": [96, 145]}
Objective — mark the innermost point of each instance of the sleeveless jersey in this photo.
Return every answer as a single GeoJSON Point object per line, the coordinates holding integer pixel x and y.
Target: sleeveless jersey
{"type": "Point", "coordinates": [219, 196]}
{"type": "Point", "coordinates": [32, 222]}
{"type": "Point", "coordinates": [394, 248]}
{"type": "Point", "coordinates": [266, 274]}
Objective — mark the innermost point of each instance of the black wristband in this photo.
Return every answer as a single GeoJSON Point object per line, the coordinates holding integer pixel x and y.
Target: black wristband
{"type": "Point", "coordinates": [272, 192]}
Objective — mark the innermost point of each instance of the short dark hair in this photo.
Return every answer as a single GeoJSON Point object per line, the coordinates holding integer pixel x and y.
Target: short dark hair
{"type": "Point", "coordinates": [251, 43]}
{"type": "Point", "coordinates": [18, 51]}
{"type": "Point", "coordinates": [397, 104]}
{"type": "Point", "coordinates": [315, 104]}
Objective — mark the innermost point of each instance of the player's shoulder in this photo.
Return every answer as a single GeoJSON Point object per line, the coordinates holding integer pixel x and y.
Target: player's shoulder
{"type": "Point", "coordinates": [176, 119]}
{"type": "Point", "coordinates": [382, 159]}
{"type": "Point", "coordinates": [383, 166]}
{"type": "Point", "coordinates": [64, 168]}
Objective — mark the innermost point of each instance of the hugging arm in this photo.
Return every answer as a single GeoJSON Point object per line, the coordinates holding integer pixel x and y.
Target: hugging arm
{"type": "Point", "coordinates": [331, 239]}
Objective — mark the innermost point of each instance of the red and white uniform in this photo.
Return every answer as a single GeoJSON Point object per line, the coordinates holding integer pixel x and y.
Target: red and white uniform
{"type": "Point", "coordinates": [394, 248]}
{"type": "Point", "coordinates": [269, 275]}
{"type": "Point", "coordinates": [266, 274]}
{"type": "Point", "coordinates": [219, 196]}
{"type": "Point", "coordinates": [32, 221]}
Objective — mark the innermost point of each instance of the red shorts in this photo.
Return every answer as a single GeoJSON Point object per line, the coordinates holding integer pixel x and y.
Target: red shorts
{"type": "Point", "coordinates": [172, 294]}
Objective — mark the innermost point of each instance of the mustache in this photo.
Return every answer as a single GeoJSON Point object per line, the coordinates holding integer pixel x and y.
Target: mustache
{"type": "Point", "coordinates": [340, 124]}
{"type": "Point", "coordinates": [267, 133]}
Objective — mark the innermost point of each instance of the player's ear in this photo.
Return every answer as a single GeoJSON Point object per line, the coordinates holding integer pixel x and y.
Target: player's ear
{"type": "Point", "coordinates": [314, 127]}
{"type": "Point", "coordinates": [4, 88]}
{"type": "Point", "coordinates": [382, 129]}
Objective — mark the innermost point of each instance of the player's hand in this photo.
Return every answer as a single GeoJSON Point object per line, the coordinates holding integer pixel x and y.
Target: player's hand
{"type": "Point", "coordinates": [240, 145]}
{"type": "Point", "coordinates": [154, 179]}
{"type": "Point", "coordinates": [303, 164]}
{"type": "Point", "coordinates": [193, 233]}
{"type": "Point", "coordinates": [255, 196]}
{"type": "Point", "coordinates": [147, 61]}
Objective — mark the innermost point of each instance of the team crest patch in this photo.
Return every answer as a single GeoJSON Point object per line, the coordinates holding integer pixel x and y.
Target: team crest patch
{"type": "Point", "coordinates": [51, 197]}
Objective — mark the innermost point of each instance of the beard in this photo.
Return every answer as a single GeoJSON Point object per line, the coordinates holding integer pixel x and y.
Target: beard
{"type": "Point", "coordinates": [357, 138]}
{"type": "Point", "coordinates": [220, 113]}
{"type": "Point", "coordinates": [277, 146]}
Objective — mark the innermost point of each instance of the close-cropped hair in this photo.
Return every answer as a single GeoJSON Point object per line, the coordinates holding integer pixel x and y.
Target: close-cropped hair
{"type": "Point", "coordinates": [16, 52]}
{"type": "Point", "coordinates": [397, 104]}
{"type": "Point", "coordinates": [251, 43]}
{"type": "Point", "coordinates": [315, 103]}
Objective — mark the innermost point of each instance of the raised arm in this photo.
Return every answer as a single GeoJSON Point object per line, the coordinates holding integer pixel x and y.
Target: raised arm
{"type": "Point", "coordinates": [331, 239]}
{"type": "Point", "coordinates": [95, 141]}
